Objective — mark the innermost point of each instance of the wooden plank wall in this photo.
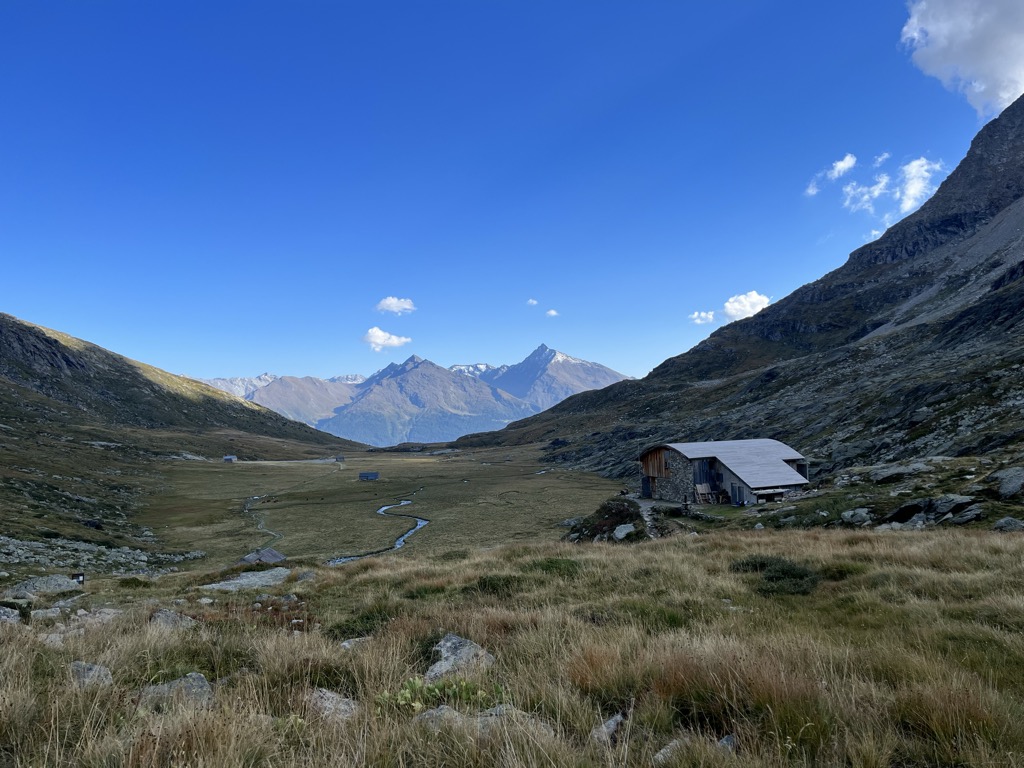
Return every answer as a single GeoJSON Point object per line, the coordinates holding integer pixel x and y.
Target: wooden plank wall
{"type": "Point", "coordinates": [655, 463]}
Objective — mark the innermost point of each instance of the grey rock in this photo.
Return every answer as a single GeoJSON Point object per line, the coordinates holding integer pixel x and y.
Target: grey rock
{"type": "Point", "coordinates": [192, 691]}
{"type": "Point", "coordinates": [500, 718]}
{"type": "Point", "coordinates": [331, 706]}
{"type": "Point", "coordinates": [166, 619]}
{"type": "Point", "coordinates": [1011, 481]}
{"type": "Point", "coordinates": [759, 527]}
{"type": "Point", "coordinates": [951, 503]}
{"type": "Point", "coordinates": [439, 717]}
{"type": "Point", "coordinates": [1009, 525]}
{"type": "Point", "coordinates": [251, 580]}
{"type": "Point", "coordinates": [42, 614]}
{"type": "Point", "coordinates": [917, 522]}
{"type": "Point", "coordinates": [669, 751]}
{"type": "Point", "coordinates": [969, 515]}
{"type": "Point", "coordinates": [85, 674]}
{"type": "Point", "coordinates": [622, 531]}
{"type": "Point", "coordinates": [43, 585]}
{"type": "Point", "coordinates": [206, 601]}
{"type": "Point", "coordinates": [9, 616]}
{"type": "Point", "coordinates": [728, 742]}
{"type": "Point", "coordinates": [891, 474]}
{"type": "Point", "coordinates": [858, 516]}
{"type": "Point", "coordinates": [354, 642]}
{"type": "Point", "coordinates": [606, 734]}
{"type": "Point", "coordinates": [458, 656]}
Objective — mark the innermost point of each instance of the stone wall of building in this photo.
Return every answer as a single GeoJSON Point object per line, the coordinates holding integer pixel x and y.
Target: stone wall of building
{"type": "Point", "coordinates": [678, 486]}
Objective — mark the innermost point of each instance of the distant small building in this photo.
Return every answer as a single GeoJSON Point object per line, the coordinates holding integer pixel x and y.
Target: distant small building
{"type": "Point", "coordinates": [729, 471]}
{"type": "Point", "coordinates": [369, 475]}
{"type": "Point", "coordinates": [230, 459]}
{"type": "Point", "coordinates": [340, 459]}
{"type": "Point", "coordinates": [268, 555]}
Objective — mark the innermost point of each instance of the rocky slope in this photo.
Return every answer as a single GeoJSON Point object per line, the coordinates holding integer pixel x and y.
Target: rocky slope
{"type": "Point", "coordinates": [913, 347]}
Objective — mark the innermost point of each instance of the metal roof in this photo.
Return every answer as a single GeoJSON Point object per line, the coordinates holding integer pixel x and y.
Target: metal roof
{"type": "Point", "coordinates": [759, 463]}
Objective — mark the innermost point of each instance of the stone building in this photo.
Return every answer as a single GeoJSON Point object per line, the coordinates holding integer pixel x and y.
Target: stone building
{"type": "Point", "coordinates": [721, 471]}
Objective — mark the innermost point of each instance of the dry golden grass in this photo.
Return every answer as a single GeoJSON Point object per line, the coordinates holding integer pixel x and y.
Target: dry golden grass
{"type": "Point", "coordinates": [909, 652]}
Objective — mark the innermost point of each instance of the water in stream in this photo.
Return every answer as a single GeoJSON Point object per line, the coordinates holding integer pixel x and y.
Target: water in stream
{"type": "Point", "coordinates": [399, 542]}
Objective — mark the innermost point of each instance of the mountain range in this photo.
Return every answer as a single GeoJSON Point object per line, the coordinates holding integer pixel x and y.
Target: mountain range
{"type": "Point", "coordinates": [914, 347]}
{"type": "Point", "coordinates": [420, 401]}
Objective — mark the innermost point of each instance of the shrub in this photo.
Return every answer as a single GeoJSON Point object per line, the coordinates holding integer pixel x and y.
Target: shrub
{"type": "Point", "coordinates": [779, 576]}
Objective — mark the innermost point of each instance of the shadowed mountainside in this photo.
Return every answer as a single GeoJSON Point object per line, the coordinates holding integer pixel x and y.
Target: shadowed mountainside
{"type": "Point", "coordinates": [912, 347]}
{"type": "Point", "coordinates": [81, 429]}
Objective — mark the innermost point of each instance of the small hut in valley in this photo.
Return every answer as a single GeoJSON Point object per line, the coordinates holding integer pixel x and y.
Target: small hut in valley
{"type": "Point", "coordinates": [736, 471]}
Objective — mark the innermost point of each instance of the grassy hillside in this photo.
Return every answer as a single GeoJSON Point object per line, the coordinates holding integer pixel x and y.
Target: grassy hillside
{"type": "Point", "coordinates": [906, 650]}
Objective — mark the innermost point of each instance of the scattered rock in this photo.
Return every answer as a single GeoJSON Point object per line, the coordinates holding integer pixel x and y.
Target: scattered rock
{"type": "Point", "coordinates": [759, 527]}
{"type": "Point", "coordinates": [206, 601]}
{"type": "Point", "coordinates": [728, 743]}
{"type": "Point", "coordinates": [495, 721]}
{"type": "Point", "coordinates": [85, 674]}
{"type": "Point", "coordinates": [42, 614]}
{"type": "Point", "coordinates": [193, 691]}
{"type": "Point", "coordinates": [439, 717]}
{"type": "Point", "coordinates": [1011, 481]}
{"type": "Point", "coordinates": [458, 656]}
{"type": "Point", "coordinates": [1009, 525]}
{"type": "Point", "coordinates": [622, 531]}
{"type": "Point", "coordinates": [951, 503]}
{"type": "Point", "coordinates": [331, 706]}
{"type": "Point", "coordinates": [251, 580]}
{"type": "Point", "coordinates": [166, 619]}
{"type": "Point", "coordinates": [666, 753]}
{"type": "Point", "coordinates": [893, 473]}
{"type": "Point", "coordinates": [606, 733]}
{"type": "Point", "coordinates": [354, 642]}
{"type": "Point", "coordinates": [969, 515]}
{"type": "Point", "coordinates": [9, 616]}
{"type": "Point", "coordinates": [858, 516]}
{"type": "Point", "coordinates": [43, 585]}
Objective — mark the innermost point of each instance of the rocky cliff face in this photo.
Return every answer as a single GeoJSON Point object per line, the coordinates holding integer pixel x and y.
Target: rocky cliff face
{"type": "Point", "coordinates": [912, 347]}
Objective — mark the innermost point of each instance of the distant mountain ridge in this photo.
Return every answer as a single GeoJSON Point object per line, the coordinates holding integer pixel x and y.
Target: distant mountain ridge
{"type": "Point", "coordinates": [420, 401]}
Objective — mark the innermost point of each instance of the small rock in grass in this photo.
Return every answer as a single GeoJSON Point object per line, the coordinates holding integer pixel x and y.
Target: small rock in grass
{"type": "Point", "coordinates": [193, 690]}
{"type": "Point", "coordinates": [1009, 525]}
{"type": "Point", "coordinates": [171, 620]}
{"type": "Point", "coordinates": [458, 656]}
{"type": "Point", "coordinates": [332, 706]}
{"type": "Point", "coordinates": [607, 732]}
{"type": "Point", "coordinates": [86, 674]}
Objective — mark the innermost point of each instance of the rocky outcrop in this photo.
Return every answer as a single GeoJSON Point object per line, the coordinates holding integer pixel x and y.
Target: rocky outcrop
{"type": "Point", "coordinates": [250, 580]}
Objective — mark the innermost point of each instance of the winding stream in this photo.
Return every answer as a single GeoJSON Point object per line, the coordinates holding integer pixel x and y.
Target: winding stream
{"type": "Point", "coordinates": [399, 542]}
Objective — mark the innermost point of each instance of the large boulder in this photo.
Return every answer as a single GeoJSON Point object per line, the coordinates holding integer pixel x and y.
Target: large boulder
{"type": "Point", "coordinates": [54, 584]}
{"type": "Point", "coordinates": [331, 706]}
{"type": "Point", "coordinates": [1009, 525]}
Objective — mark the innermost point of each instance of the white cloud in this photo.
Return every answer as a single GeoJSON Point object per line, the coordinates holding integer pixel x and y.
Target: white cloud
{"type": "Point", "coordinates": [916, 183]}
{"type": "Point", "coordinates": [552, 313]}
{"type": "Point", "coordinates": [881, 159]}
{"type": "Point", "coordinates": [975, 47]}
{"type": "Point", "coordinates": [745, 305]}
{"type": "Point", "coordinates": [842, 167]}
{"type": "Point", "coordinates": [378, 339]}
{"type": "Point", "coordinates": [395, 305]}
{"type": "Point", "coordinates": [860, 197]}
{"type": "Point", "coordinates": [812, 188]}
{"type": "Point", "coordinates": [532, 302]}
{"type": "Point", "coordinates": [703, 318]}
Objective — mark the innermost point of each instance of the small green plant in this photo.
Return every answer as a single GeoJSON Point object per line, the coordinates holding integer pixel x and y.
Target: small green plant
{"type": "Point", "coordinates": [415, 695]}
{"type": "Point", "coordinates": [556, 566]}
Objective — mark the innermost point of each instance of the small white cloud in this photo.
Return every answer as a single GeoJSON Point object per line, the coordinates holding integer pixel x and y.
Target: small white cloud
{"type": "Point", "coordinates": [395, 305]}
{"type": "Point", "coordinates": [532, 302]}
{"type": "Point", "coordinates": [378, 339]}
{"type": "Point", "coordinates": [916, 183]}
{"type": "Point", "coordinates": [860, 197]}
{"type": "Point", "coordinates": [841, 167]}
{"type": "Point", "coordinates": [552, 313]}
{"type": "Point", "coordinates": [974, 47]}
{"type": "Point", "coordinates": [812, 188]}
{"type": "Point", "coordinates": [881, 159]}
{"type": "Point", "coordinates": [703, 318]}
{"type": "Point", "coordinates": [745, 305]}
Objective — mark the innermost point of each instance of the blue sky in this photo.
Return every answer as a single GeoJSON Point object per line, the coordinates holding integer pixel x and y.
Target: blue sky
{"type": "Point", "coordinates": [321, 188]}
